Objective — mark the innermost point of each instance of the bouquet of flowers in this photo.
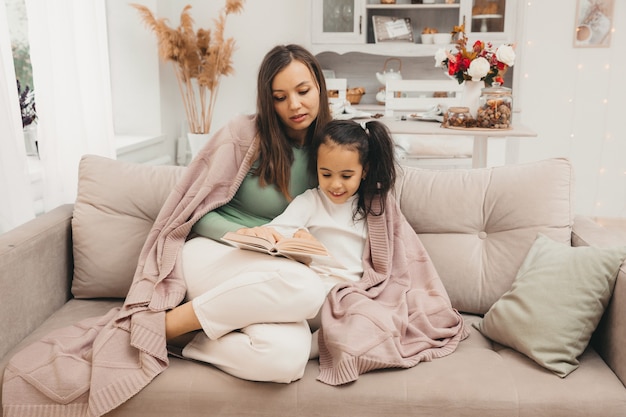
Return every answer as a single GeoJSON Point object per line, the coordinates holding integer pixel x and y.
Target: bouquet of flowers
{"type": "Point", "coordinates": [481, 62]}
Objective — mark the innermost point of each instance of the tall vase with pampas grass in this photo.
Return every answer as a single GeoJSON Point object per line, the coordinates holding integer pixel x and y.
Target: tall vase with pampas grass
{"type": "Point", "coordinates": [200, 58]}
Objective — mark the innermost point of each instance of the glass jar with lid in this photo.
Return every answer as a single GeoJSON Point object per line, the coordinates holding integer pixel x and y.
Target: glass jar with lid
{"type": "Point", "coordinates": [495, 108]}
{"type": "Point", "coordinates": [458, 117]}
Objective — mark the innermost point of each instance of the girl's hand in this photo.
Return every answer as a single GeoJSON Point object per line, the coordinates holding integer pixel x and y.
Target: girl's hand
{"type": "Point", "coordinates": [304, 234]}
{"type": "Point", "coordinates": [264, 232]}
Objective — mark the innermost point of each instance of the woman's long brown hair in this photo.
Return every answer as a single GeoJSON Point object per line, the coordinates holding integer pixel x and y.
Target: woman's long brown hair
{"type": "Point", "coordinates": [275, 150]}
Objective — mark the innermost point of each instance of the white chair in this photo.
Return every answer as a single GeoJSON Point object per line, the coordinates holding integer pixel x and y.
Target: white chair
{"type": "Point", "coordinates": [405, 97]}
{"type": "Point", "coordinates": [419, 95]}
{"type": "Point", "coordinates": [339, 84]}
{"type": "Point", "coordinates": [339, 103]}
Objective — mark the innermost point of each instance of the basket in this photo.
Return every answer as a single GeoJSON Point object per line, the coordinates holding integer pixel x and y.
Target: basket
{"type": "Point", "coordinates": [353, 95]}
{"type": "Point", "coordinates": [354, 98]}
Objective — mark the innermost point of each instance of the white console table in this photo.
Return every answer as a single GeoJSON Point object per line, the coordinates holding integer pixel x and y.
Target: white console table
{"type": "Point", "coordinates": [481, 136]}
{"type": "Point", "coordinates": [147, 149]}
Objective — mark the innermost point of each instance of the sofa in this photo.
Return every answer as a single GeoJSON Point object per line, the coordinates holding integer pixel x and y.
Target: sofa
{"type": "Point", "coordinates": [490, 232]}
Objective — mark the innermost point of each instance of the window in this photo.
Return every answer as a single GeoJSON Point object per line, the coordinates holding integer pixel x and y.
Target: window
{"type": "Point", "coordinates": [18, 29]}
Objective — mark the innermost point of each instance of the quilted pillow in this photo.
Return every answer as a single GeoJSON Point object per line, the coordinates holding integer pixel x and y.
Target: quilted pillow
{"type": "Point", "coordinates": [556, 302]}
{"type": "Point", "coordinates": [116, 205]}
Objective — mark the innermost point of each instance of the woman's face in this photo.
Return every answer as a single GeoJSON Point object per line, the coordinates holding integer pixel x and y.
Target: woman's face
{"type": "Point", "coordinates": [296, 99]}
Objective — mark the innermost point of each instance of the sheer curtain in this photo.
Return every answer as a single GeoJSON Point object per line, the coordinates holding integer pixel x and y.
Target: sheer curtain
{"type": "Point", "coordinates": [17, 202]}
{"type": "Point", "coordinates": [69, 55]}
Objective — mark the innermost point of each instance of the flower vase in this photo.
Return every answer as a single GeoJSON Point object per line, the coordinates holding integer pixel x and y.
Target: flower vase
{"type": "Point", "coordinates": [471, 95]}
{"type": "Point", "coordinates": [196, 141]}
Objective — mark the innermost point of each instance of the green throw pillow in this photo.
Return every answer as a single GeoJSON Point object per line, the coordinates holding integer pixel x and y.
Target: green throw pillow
{"type": "Point", "coordinates": [555, 303]}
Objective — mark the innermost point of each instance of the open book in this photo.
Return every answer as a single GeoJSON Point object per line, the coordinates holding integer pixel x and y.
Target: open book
{"type": "Point", "coordinates": [301, 250]}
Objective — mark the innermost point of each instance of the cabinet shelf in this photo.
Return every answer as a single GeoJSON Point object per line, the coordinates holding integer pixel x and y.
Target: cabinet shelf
{"type": "Point", "coordinates": [399, 49]}
{"type": "Point", "coordinates": [413, 6]}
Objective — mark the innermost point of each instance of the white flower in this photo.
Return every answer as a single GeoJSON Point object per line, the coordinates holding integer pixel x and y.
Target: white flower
{"type": "Point", "coordinates": [506, 55]}
{"type": "Point", "coordinates": [440, 56]}
{"type": "Point", "coordinates": [478, 69]}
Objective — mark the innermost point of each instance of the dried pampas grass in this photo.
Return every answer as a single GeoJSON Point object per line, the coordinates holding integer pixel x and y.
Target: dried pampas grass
{"type": "Point", "coordinates": [199, 59]}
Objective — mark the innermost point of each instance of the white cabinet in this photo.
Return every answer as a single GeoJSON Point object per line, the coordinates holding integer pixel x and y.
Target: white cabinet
{"type": "Point", "coordinates": [346, 25]}
{"type": "Point", "coordinates": [338, 21]}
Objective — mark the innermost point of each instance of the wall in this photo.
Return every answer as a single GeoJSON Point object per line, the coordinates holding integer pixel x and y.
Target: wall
{"type": "Point", "coordinates": [573, 98]}
{"type": "Point", "coordinates": [134, 71]}
{"type": "Point", "coordinates": [570, 96]}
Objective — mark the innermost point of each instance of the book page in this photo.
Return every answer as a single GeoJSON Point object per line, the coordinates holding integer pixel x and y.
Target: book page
{"type": "Point", "coordinates": [302, 250]}
{"type": "Point", "coordinates": [255, 243]}
{"type": "Point", "coordinates": [299, 245]}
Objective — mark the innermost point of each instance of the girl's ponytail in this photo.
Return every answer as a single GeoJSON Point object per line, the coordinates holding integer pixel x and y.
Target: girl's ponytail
{"type": "Point", "coordinates": [381, 163]}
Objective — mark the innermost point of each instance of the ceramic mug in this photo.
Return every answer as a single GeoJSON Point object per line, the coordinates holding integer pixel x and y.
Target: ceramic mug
{"type": "Point", "coordinates": [583, 34]}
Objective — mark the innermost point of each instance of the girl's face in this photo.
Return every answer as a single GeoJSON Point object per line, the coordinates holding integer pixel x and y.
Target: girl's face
{"type": "Point", "coordinates": [296, 99]}
{"type": "Point", "coordinates": [339, 171]}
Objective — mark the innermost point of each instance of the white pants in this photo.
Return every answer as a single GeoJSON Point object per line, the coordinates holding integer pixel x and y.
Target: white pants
{"type": "Point", "coordinates": [253, 309]}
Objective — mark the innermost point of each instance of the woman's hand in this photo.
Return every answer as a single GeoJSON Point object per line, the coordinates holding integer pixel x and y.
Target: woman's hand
{"type": "Point", "coordinates": [264, 232]}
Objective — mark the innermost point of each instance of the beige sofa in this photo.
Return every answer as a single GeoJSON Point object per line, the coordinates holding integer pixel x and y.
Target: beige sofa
{"type": "Point", "coordinates": [479, 227]}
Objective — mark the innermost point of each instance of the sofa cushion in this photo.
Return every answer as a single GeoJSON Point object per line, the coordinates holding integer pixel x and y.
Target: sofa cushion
{"type": "Point", "coordinates": [116, 205]}
{"type": "Point", "coordinates": [479, 224]}
{"type": "Point", "coordinates": [480, 378]}
{"type": "Point", "coordinates": [556, 302]}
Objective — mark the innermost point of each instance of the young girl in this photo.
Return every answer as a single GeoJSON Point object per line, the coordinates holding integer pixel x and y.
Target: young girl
{"type": "Point", "coordinates": [335, 212]}
{"type": "Point", "coordinates": [387, 306]}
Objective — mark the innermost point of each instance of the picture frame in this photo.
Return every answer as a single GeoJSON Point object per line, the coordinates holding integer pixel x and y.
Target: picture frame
{"type": "Point", "coordinates": [392, 29]}
{"type": "Point", "coordinates": [594, 23]}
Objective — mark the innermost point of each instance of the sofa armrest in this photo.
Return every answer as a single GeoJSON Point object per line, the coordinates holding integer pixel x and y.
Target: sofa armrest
{"type": "Point", "coordinates": [610, 336]}
{"type": "Point", "coordinates": [35, 274]}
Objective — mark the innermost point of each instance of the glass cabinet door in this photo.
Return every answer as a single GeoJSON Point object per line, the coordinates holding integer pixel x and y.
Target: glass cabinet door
{"type": "Point", "coordinates": [488, 16]}
{"type": "Point", "coordinates": [337, 21]}
{"type": "Point", "coordinates": [489, 19]}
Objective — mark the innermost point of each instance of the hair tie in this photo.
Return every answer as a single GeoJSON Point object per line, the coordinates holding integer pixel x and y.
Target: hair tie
{"type": "Point", "coordinates": [364, 126]}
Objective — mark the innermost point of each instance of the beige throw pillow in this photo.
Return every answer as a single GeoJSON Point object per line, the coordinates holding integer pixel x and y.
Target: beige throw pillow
{"type": "Point", "coordinates": [555, 303]}
{"type": "Point", "coordinates": [478, 224]}
{"type": "Point", "coordinates": [116, 205]}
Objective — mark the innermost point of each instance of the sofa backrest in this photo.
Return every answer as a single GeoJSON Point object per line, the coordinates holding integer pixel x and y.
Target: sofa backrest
{"type": "Point", "coordinates": [478, 224]}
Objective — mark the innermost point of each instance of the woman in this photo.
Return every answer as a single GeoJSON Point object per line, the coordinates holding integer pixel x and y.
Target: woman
{"type": "Point", "coordinates": [253, 308]}
{"type": "Point", "coordinates": [114, 356]}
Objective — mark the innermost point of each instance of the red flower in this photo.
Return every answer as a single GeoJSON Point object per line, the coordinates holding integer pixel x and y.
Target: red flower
{"type": "Point", "coordinates": [465, 63]}
{"type": "Point", "coordinates": [453, 67]}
